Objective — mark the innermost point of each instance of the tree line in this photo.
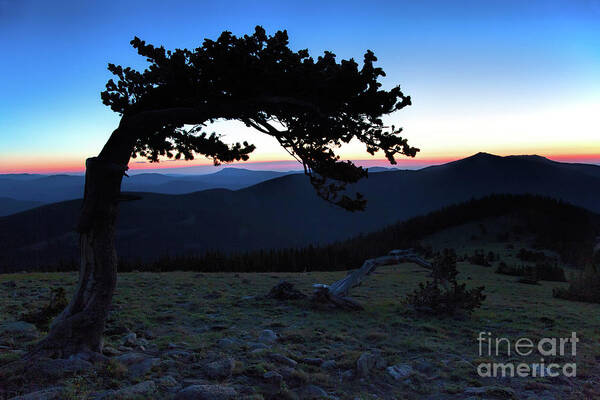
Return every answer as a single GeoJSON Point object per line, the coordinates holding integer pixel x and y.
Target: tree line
{"type": "Point", "coordinates": [568, 230]}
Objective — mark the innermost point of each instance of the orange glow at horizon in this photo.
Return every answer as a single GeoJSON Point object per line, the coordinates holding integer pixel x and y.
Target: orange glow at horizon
{"type": "Point", "coordinates": [71, 165]}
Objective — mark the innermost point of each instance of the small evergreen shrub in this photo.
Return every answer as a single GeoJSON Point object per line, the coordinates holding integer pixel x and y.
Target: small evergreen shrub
{"type": "Point", "coordinates": [444, 295]}
{"type": "Point", "coordinates": [584, 287]}
{"type": "Point", "coordinates": [539, 272]}
{"type": "Point", "coordinates": [532, 256]}
{"type": "Point", "coordinates": [479, 258]}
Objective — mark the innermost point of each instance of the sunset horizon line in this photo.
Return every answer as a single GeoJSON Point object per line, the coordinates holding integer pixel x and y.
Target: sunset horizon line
{"type": "Point", "coordinates": [282, 164]}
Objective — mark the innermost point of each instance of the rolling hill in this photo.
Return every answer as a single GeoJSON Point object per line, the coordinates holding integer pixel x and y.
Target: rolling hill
{"type": "Point", "coordinates": [41, 189]}
{"type": "Point", "coordinates": [10, 206]}
{"type": "Point", "coordinates": [285, 211]}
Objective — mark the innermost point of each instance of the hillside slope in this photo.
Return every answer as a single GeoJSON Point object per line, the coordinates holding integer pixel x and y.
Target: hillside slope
{"type": "Point", "coordinates": [285, 212]}
{"type": "Point", "coordinates": [10, 206]}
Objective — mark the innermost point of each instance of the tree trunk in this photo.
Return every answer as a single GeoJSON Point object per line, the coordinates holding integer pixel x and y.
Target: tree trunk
{"type": "Point", "coordinates": [79, 328]}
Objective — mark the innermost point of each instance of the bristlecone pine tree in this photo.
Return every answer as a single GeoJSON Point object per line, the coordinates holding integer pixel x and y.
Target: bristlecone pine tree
{"type": "Point", "coordinates": [310, 106]}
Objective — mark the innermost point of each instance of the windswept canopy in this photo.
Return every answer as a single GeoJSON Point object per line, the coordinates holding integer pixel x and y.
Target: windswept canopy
{"type": "Point", "coordinates": [310, 106]}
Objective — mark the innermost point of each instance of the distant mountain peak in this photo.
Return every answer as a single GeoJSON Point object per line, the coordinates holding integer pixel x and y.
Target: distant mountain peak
{"type": "Point", "coordinates": [488, 156]}
{"type": "Point", "coordinates": [483, 156]}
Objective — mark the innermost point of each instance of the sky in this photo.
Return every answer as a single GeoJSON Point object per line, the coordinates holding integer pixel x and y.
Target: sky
{"type": "Point", "coordinates": [504, 77]}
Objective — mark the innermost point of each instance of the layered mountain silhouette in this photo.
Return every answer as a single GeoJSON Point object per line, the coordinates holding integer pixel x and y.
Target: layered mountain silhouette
{"type": "Point", "coordinates": [32, 190]}
{"type": "Point", "coordinates": [286, 212]}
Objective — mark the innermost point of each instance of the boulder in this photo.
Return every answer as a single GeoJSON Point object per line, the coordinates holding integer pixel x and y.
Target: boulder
{"type": "Point", "coordinates": [254, 346]}
{"type": "Point", "coordinates": [219, 369]}
{"type": "Point", "coordinates": [281, 359]}
{"type": "Point", "coordinates": [312, 392]}
{"type": "Point", "coordinates": [131, 358]}
{"type": "Point", "coordinates": [130, 340]}
{"type": "Point", "coordinates": [142, 390]}
{"type": "Point", "coordinates": [168, 382]}
{"type": "Point", "coordinates": [268, 337]}
{"type": "Point", "coordinates": [367, 362]}
{"type": "Point", "coordinates": [400, 371]}
{"type": "Point", "coordinates": [19, 330]}
{"type": "Point", "coordinates": [227, 342]}
{"type": "Point", "coordinates": [312, 361]}
{"type": "Point", "coordinates": [285, 291]}
{"type": "Point", "coordinates": [206, 392]}
{"type": "Point", "coordinates": [141, 368]}
{"type": "Point", "coordinates": [273, 377]}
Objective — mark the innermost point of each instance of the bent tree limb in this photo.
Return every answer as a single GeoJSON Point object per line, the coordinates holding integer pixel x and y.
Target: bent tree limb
{"type": "Point", "coordinates": [336, 294]}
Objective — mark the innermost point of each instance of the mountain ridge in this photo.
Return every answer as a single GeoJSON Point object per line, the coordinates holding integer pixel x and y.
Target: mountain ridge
{"type": "Point", "coordinates": [286, 212]}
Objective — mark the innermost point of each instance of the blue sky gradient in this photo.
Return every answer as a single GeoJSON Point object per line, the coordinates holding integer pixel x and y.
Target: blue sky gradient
{"type": "Point", "coordinates": [497, 76]}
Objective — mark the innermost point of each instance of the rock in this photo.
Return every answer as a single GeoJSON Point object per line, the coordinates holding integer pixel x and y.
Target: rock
{"type": "Point", "coordinates": [219, 369]}
{"type": "Point", "coordinates": [149, 334]}
{"type": "Point", "coordinates": [285, 291]}
{"type": "Point", "coordinates": [227, 342]}
{"type": "Point", "coordinates": [206, 392]}
{"type": "Point", "coordinates": [312, 392]}
{"type": "Point", "coordinates": [367, 362]}
{"type": "Point", "coordinates": [400, 371]}
{"type": "Point", "coordinates": [329, 364]}
{"type": "Point", "coordinates": [141, 390]}
{"type": "Point", "coordinates": [273, 377]}
{"type": "Point", "coordinates": [110, 351]}
{"type": "Point", "coordinates": [424, 366]}
{"type": "Point", "coordinates": [168, 382]}
{"type": "Point", "coordinates": [46, 394]}
{"type": "Point", "coordinates": [292, 377]}
{"type": "Point", "coordinates": [255, 346]}
{"type": "Point", "coordinates": [268, 337]}
{"type": "Point", "coordinates": [347, 375]}
{"type": "Point", "coordinates": [125, 349]}
{"type": "Point", "coordinates": [281, 359]}
{"type": "Point", "coordinates": [499, 392]}
{"type": "Point", "coordinates": [194, 381]}
{"type": "Point", "coordinates": [9, 284]}
{"type": "Point", "coordinates": [312, 361]}
{"type": "Point", "coordinates": [177, 354]}
{"type": "Point", "coordinates": [19, 330]}
{"type": "Point", "coordinates": [130, 339]}
{"type": "Point", "coordinates": [54, 369]}
{"type": "Point", "coordinates": [131, 358]}
{"type": "Point", "coordinates": [142, 368]}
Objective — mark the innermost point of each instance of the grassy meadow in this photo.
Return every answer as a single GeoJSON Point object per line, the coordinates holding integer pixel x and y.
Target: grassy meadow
{"type": "Point", "coordinates": [192, 312]}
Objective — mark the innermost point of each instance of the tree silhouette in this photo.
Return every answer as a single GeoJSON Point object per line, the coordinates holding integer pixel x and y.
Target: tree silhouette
{"type": "Point", "coordinates": [310, 106]}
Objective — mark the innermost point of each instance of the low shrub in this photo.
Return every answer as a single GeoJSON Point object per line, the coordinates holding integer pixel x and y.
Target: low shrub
{"type": "Point", "coordinates": [583, 287]}
{"type": "Point", "coordinates": [444, 295]}
{"type": "Point", "coordinates": [532, 256]}
{"type": "Point", "coordinates": [539, 272]}
{"type": "Point", "coordinates": [479, 258]}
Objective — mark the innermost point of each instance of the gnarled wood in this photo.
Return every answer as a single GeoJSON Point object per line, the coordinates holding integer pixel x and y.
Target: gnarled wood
{"type": "Point", "coordinates": [337, 292]}
{"type": "Point", "coordinates": [79, 328]}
